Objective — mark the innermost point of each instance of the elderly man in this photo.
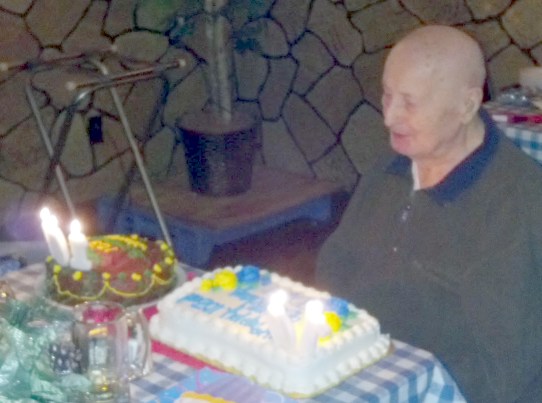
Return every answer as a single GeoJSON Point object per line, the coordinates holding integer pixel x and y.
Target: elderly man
{"type": "Point", "coordinates": [442, 240]}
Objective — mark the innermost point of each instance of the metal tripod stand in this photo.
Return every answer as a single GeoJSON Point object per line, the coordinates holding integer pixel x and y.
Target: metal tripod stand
{"type": "Point", "coordinates": [81, 90]}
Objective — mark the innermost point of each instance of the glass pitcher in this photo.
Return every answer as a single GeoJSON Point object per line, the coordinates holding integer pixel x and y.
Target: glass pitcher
{"type": "Point", "coordinates": [114, 346]}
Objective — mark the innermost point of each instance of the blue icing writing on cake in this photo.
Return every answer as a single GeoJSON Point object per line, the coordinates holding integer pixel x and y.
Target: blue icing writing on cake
{"type": "Point", "coordinates": [279, 333]}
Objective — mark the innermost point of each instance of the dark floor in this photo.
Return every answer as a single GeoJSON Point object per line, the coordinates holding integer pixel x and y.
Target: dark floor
{"type": "Point", "coordinates": [289, 250]}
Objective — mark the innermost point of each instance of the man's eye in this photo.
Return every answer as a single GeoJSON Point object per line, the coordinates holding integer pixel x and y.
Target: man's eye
{"type": "Point", "coordinates": [410, 105]}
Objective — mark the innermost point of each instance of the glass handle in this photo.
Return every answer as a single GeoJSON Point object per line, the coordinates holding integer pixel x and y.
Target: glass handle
{"type": "Point", "coordinates": [139, 344]}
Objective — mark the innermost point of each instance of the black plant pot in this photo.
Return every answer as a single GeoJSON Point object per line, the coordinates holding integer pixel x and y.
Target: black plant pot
{"type": "Point", "coordinates": [219, 154]}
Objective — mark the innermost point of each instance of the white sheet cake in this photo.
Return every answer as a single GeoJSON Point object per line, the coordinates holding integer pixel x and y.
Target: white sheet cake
{"type": "Point", "coordinates": [227, 318]}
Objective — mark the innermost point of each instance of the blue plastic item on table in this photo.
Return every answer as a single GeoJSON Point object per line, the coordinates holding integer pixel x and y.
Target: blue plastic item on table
{"type": "Point", "coordinates": [9, 263]}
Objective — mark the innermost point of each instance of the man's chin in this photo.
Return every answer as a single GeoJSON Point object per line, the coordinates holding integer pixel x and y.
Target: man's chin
{"type": "Point", "coordinates": [400, 147]}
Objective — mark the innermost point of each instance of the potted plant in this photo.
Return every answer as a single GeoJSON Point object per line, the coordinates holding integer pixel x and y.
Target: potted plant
{"type": "Point", "coordinates": [220, 139]}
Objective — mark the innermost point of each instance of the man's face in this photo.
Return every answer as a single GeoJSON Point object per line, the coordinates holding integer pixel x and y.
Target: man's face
{"type": "Point", "coordinates": [420, 108]}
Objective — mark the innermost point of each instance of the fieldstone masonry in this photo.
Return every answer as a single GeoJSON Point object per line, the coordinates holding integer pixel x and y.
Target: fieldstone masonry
{"type": "Point", "coordinates": [315, 82]}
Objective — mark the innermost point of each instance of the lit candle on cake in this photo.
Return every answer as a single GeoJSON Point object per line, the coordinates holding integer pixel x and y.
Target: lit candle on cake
{"type": "Point", "coordinates": [56, 241]}
{"type": "Point", "coordinates": [280, 326]}
{"type": "Point", "coordinates": [78, 246]}
{"type": "Point", "coordinates": [314, 326]}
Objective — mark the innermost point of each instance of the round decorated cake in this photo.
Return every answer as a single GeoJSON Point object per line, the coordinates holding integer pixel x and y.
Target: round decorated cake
{"type": "Point", "coordinates": [127, 269]}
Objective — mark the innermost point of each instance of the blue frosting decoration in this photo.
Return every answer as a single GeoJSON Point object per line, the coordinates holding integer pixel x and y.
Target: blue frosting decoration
{"type": "Point", "coordinates": [339, 306]}
{"type": "Point", "coordinates": [248, 276]}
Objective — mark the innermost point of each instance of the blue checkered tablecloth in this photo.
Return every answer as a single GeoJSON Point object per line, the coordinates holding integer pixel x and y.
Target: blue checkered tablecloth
{"type": "Point", "coordinates": [408, 374]}
{"type": "Point", "coordinates": [527, 135]}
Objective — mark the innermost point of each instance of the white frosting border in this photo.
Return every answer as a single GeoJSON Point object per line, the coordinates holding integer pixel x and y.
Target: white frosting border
{"type": "Point", "coordinates": [271, 366]}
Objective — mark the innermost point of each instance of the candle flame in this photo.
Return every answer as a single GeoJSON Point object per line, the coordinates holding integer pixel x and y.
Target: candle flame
{"type": "Point", "coordinates": [45, 213]}
{"type": "Point", "coordinates": [278, 297]}
{"type": "Point", "coordinates": [314, 311]}
{"type": "Point", "coordinates": [75, 227]}
{"type": "Point", "coordinates": [277, 301]}
{"type": "Point", "coordinates": [48, 218]}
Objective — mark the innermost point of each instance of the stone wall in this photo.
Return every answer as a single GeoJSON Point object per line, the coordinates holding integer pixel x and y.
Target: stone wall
{"type": "Point", "coordinates": [314, 80]}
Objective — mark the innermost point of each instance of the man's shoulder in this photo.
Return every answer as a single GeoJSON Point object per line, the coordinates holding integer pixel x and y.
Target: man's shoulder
{"type": "Point", "coordinates": [516, 163]}
{"type": "Point", "coordinates": [511, 175]}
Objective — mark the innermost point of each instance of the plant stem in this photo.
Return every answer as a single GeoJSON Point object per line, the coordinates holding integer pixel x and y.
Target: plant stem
{"type": "Point", "coordinates": [217, 30]}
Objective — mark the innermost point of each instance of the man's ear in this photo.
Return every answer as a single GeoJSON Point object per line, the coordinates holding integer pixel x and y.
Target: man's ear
{"type": "Point", "coordinates": [472, 101]}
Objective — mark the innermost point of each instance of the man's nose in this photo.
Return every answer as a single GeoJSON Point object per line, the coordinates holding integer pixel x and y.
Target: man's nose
{"type": "Point", "coordinates": [392, 112]}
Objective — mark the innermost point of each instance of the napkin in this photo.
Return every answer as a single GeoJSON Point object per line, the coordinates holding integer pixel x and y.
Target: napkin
{"type": "Point", "coordinates": [27, 332]}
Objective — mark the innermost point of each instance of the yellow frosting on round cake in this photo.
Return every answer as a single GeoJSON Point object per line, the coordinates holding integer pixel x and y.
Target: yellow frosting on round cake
{"type": "Point", "coordinates": [126, 268]}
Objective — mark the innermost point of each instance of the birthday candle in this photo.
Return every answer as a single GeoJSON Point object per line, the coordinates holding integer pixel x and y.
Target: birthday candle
{"type": "Point", "coordinates": [56, 241]}
{"type": "Point", "coordinates": [314, 327]}
{"type": "Point", "coordinates": [78, 246]}
{"type": "Point", "coordinates": [280, 326]}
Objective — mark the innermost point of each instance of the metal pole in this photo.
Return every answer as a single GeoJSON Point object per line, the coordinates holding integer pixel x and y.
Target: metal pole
{"type": "Point", "coordinates": [34, 63]}
{"type": "Point", "coordinates": [123, 78]}
{"type": "Point", "coordinates": [137, 155]}
{"type": "Point", "coordinates": [47, 141]}
{"type": "Point", "coordinates": [87, 88]}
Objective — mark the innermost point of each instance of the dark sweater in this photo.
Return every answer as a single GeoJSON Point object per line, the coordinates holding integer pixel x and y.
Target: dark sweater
{"type": "Point", "coordinates": [455, 269]}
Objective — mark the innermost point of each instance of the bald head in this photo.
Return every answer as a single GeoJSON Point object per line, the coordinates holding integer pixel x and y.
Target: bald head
{"type": "Point", "coordinates": [447, 52]}
{"type": "Point", "coordinates": [432, 91]}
